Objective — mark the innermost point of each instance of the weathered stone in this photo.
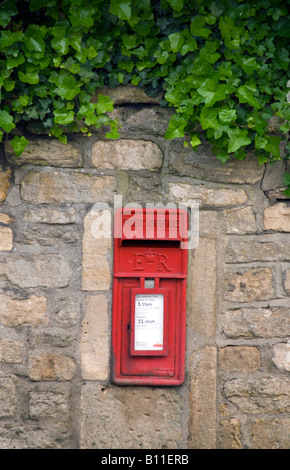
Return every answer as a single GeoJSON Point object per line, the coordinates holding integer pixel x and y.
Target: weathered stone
{"type": "Point", "coordinates": [6, 239]}
{"type": "Point", "coordinates": [240, 221]}
{"type": "Point", "coordinates": [255, 284]}
{"type": "Point", "coordinates": [240, 358]}
{"type": "Point", "coordinates": [287, 282]}
{"type": "Point", "coordinates": [16, 312]}
{"type": "Point", "coordinates": [202, 318]}
{"type": "Point", "coordinates": [96, 274]}
{"type": "Point", "coordinates": [5, 179]}
{"type": "Point", "coordinates": [256, 322]}
{"type": "Point", "coordinates": [10, 351]}
{"type": "Point", "coordinates": [8, 398]}
{"type": "Point", "coordinates": [277, 217]}
{"type": "Point", "coordinates": [281, 357]}
{"type": "Point", "coordinates": [45, 187]}
{"type": "Point", "coordinates": [67, 313]}
{"type": "Point", "coordinates": [50, 404]}
{"type": "Point", "coordinates": [271, 434]}
{"type": "Point", "coordinates": [53, 338]}
{"type": "Point", "coordinates": [264, 395]}
{"type": "Point", "coordinates": [203, 164]}
{"type": "Point", "coordinates": [5, 219]}
{"type": "Point", "coordinates": [256, 250]}
{"type": "Point", "coordinates": [95, 354]}
{"type": "Point", "coordinates": [153, 120]}
{"type": "Point", "coordinates": [51, 216]}
{"type": "Point", "coordinates": [126, 94]}
{"type": "Point", "coordinates": [126, 154]}
{"type": "Point", "coordinates": [51, 270]}
{"type": "Point", "coordinates": [49, 366]}
{"type": "Point", "coordinates": [130, 418]}
{"type": "Point", "coordinates": [218, 197]}
{"type": "Point", "coordinates": [49, 152]}
{"type": "Point", "coordinates": [202, 399]}
{"type": "Point", "coordinates": [229, 434]}
{"type": "Point", "coordinates": [50, 236]}
{"type": "Point", "coordinates": [273, 176]}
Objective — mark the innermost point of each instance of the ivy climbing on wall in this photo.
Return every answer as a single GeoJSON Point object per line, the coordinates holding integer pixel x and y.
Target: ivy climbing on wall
{"type": "Point", "coordinates": [222, 65]}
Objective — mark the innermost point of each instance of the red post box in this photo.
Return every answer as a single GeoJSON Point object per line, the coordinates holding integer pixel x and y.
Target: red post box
{"type": "Point", "coordinates": [149, 296]}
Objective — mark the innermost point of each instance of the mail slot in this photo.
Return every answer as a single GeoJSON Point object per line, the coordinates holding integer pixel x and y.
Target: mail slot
{"type": "Point", "coordinates": [149, 296]}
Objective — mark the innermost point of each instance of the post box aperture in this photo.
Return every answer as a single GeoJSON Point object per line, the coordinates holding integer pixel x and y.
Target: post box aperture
{"type": "Point", "coordinates": [149, 296]}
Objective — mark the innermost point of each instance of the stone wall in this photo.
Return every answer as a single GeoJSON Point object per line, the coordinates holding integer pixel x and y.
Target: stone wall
{"type": "Point", "coordinates": [56, 297]}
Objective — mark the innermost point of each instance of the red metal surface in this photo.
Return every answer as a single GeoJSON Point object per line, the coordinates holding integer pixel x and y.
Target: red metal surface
{"type": "Point", "coordinates": [141, 254]}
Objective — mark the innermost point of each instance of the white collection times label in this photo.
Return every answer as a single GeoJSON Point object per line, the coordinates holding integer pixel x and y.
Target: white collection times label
{"type": "Point", "coordinates": [149, 312]}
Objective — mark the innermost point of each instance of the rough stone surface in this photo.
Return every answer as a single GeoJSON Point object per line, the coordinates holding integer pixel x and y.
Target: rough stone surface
{"type": "Point", "coordinates": [251, 250]}
{"type": "Point", "coordinates": [271, 434]}
{"type": "Point", "coordinates": [240, 358]}
{"type": "Point", "coordinates": [5, 219]}
{"type": "Point", "coordinates": [256, 322]}
{"type": "Point", "coordinates": [126, 154]}
{"type": "Point", "coordinates": [17, 312]}
{"type": "Point", "coordinates": [52, 404]}
{"type": "Point", "coordinates": [6, 239]}
{"type": "Point", "coordinates": [8, 397]}
{"type": "Point", "coordinates": [11, 351]}
{"type": "Point", "coordinates": [263, 395]}
{"type": "Point", "coordinates": [46, 152]}
{"type": "Point", "coordinates": [96, 272]}
{"type": "Point", "coordinates": [202, 318]}
{"type": "Point", "coordinates": [126, 94]}
{"type": "Point", "coordinates": [240, 221]}
{"type": "Point", "coordinates": [95, 339]}
{"type": "Point", "coordinates": [277, 218]}
{"type": "Point", "coordinates": [48, 366]}
{"type": "Point", "coordinates": [59, 187]}
{"type": "Point", "coordinates": [229, 434]}
{"type": "Point", "coordinates": [5, 180]}
{"type": "Point", "coordinates": [281, 357]}
{"type": "Point", "coordinates": [51, 216]}
{"type": "Point", "coordinates": [130, 418]}
{"type": "Point", "coordinates": [202, 399]}
{"type": "Point", "coordinates": [287, 282]}
{"type": "Point", "coordinates": [218, 197]}
{"type": "Point", "coordinates": [254, 284]}
{"type": "Point", "coordinates": [42, 270]}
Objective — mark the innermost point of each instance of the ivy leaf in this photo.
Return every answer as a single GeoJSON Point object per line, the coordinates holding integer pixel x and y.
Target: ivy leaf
{"type": "Point", "coordinates": [176, 5]}
{"type": "Point", "coordinates": [176, 127]}
{"type": "Point", "coordinates": [63, 116]}
{"type": "Point", "coordinates": [238, 138]}
{"type": "Point", "coordinates": [227, 115]}
{"type": "Point", "coordinates": [6, 121]}
{"type": "Point", "coordinates": [19, 144]}
{"type": "Point", "coordinates": [30, 77]}
{"type": "Point", "coordinates": [104, 104]}
{"type": "Point", "coordinates": [67, 86]}
{"type": "Point", "coordinates": [245, 95]}
{"type": "Point", "coordinates": [286, 179]}
{"type": "Point", "coordinates": [195, 141]}
{"type": "Point", "coordinates": [176, 41]}
{"type": "Point", "coordinates": [208, 118]}
{"type": "Point", "coordinates": [197, 27]}
{"type": "Point", "coordinates": [121, 8]}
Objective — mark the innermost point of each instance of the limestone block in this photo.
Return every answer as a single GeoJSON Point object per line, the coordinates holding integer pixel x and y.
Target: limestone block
{"type": "Point", "coordinates": [287, 282]}
{"type": "Point", "coordinates": [126, 154]}
{"type": "Point", "coordinates": [96, 273]}
{"type": "Point", "coordinates": [10, 351]}
{"type": "Point", "coordinates": [8, 398]}
{"type": "Point", "coordinates": [95, 350]}
{"type": "Point", "coordinates": [49, 366]}
{"type": "Point", "coordinates": [229, 434]}
{"type": "Point", "coordinates": [271, 433]}
{"type": "Point", "coordinates": [5, 179]}
{"type": "Point", "coordinates": [17, 312]}
{"type": "Point", "coordinates": [51, 270]}
{"type": "Point", "coordinates": [202, 318]}
{"type": "Point", "coordinates": [256, 250]}
{"type": "Point", "coordinates": [202, 399]}
{"type": "Point", "coordinates": [256, 322]}
{"type": "Point", "coordinates": [254, 284]}
{"type": "Point", "coordinates": [46, 187]}
{"type": "Point", "coordinates": [45, 151]}
{"type": "Point", "coordinates": [259, 395]}
{"type": "Point", "coordinates": [277, 217]}
{"type": "Point", "coordinates": [5, 219]}
{"type": "Point", "coordinates": [130, 418]}
{"type": "Point", "coordinates": [218, 197]}
{"type": "Point", "coordinates": [48, 404]}
{"type": "Point", "coordinates": [240, 221]}
{"type": "Point", "coordinates": [51, 216]}
{"type": "Point", "coordinates": [240, 358]}
{"type": "Point", "coordinates": [281, 357]}
{"type": "Point", "coordinates": [6, 239]}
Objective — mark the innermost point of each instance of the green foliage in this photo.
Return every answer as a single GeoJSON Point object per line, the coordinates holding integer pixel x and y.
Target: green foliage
{"type": "Point", "coordinates": [222, 65]}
